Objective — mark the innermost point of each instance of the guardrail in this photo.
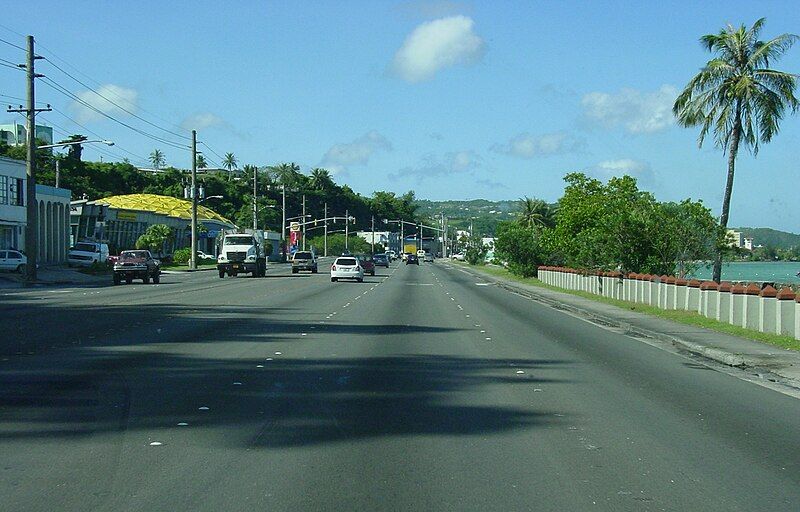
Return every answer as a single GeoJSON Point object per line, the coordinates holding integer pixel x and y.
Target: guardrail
{"type": "Point", "coordinates": [752, 307]}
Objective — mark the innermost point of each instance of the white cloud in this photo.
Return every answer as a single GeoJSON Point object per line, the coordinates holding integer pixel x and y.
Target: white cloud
{"type": "Point", "coordinates": [526, 145]}
{"type": "Point", "coordinates": [340, 156]}
{"type": "Point", "coordinates": [430, 166]}
{"type": "Point", "coordinates": [435, 45]}
{"type": "Point", "coordinates": [124, 98]}
{"type": "Point", "coordinates": [636, 111]}
{"type": "Point", "coordinates": [621, 167]}
{"type": "Point", "coordinates": [201, 121]}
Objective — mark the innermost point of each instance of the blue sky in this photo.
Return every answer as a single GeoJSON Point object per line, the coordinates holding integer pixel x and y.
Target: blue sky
{"type": "Point", "coordinates": [455, 100]}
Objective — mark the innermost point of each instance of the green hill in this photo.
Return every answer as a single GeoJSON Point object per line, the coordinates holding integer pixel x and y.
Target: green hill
{"type": "Point", "coordinates": [771, 237]}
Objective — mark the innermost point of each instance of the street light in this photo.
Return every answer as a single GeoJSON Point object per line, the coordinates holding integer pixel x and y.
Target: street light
{"type": "Point", "coordinates": [76, 143]}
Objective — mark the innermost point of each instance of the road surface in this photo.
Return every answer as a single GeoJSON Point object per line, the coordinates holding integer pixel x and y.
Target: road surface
{"type": "Point", "coordinates": [423, 388]}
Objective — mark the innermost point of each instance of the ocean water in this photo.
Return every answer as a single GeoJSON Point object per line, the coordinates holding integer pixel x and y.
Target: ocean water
{"type": "Point", "coordinates": [770, 271]}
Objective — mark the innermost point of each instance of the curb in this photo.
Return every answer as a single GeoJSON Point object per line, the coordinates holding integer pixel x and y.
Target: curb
{"type": "Point", "coordinates": [718, 355]}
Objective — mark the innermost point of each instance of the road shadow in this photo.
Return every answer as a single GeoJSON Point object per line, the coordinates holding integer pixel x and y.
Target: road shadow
{"type": "Point", "coordinates": [88, 370]}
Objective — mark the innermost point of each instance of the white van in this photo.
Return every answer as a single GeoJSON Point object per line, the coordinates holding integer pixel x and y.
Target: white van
{"type": "Point", "coordinates": [86, 253]}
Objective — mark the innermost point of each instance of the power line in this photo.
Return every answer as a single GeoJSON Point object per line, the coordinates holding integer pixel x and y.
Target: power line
{"type": "Point", "coordinates": [117, 104]}
{"type": "Point", "coordinates": [14, 45]}
{"type": "Point", "coordinates": [59, 88]}
{"type": "Point", "coordinates": [89, 131]}
{"type": "Point", "coordinates": [98, 84]}
{"type": "Point", "coordinates": [9, 64]}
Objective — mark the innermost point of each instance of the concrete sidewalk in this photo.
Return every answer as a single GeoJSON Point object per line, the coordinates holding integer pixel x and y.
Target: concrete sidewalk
{"type": "Point", "coordinates": [774, 363]}
{"type": "Point", "coordinates": [53, 276]}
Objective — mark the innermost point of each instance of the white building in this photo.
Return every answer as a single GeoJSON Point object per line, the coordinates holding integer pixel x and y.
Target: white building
{"type": "Point", "coordinates": [735, 238]}
{"type": "Point", "coordinates": [748, 243]}
{"type": "Point", "coordinates": [12, 204]}
{"type": "Point", "coordinates": [15, 134]}
{"type": "Point", "coordinates": [53, 214]}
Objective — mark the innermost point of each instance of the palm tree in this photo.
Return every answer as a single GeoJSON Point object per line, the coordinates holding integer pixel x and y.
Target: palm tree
{"type": "Point", "coordinates": [738, 97]}
{"type": "Point", "coordinates": [157, 159]}
{"type": "Point", "coordinates": [535, 213]}
{"type": "Point", "coordinates": [230, 163]}
{"type": "Point", "coordinates": [201, 162]}
{"type": "Point", "coordinates": [321, 179]}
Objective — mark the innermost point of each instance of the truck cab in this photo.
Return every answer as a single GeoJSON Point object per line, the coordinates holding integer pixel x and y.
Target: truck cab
{"type": "Point", "coordinates": [242, 252]}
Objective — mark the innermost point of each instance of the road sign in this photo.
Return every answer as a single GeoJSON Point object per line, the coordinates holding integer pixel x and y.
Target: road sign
{"type": "Point", "coordinates": [294, 226]}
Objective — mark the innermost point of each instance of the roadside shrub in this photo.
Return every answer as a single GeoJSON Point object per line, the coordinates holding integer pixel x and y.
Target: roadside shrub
{"type": "Point", "coordinates": [182, 255]}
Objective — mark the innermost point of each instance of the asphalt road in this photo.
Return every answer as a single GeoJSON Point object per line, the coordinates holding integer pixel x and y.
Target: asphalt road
{"type": "Point", "coordinates": [422, 388]}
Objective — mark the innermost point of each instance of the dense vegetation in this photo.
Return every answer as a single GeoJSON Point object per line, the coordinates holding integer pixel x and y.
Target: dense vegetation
{"type": "Point", "coordinates": [612, 226]}
{"type": "Point", "coordinates": [96, 180]}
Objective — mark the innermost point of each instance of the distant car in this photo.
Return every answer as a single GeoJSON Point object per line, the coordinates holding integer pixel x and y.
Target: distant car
{"type": "Point", "coordinates": [137, 264]}
{"type": "Point", "coordinates": [421, 254]}
{"type": "Point", "coordinates": [347, 267]}
{"type": "Point", "coordinates": [428, 257]}
{"type": "Point", "coordinates": [404, 256]}
{"type": "Point", "coordinates": [412, 260]}
{"type": "Point", "coordinates": [13, 261]}
{"type": "Point", "coordinates": [367, 263]}
{"type": "Point", "coordinates": [203, 256]}
{"type": "Point", "coordinates": [457, 257]}
{"type": "Point", "coordinates": [84, 254]}
{"type": "Point", "coordinates": [392, 255]}
{"type": "Point", "coordinates": [381, 260]}
{"type": "Point", "coordinates": [304, 260]}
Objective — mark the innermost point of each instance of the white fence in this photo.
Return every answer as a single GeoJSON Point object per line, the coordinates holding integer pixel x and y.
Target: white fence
{"type": "Point", "coordinates": [766, 310]}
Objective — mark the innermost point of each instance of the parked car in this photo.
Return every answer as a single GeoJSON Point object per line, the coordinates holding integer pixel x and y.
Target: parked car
{"type": "Point", "coordinates": [412, 259]}
{"type": "Point", "coordinates": [428, 257]}
{"type": "Point", "coordinates": [367, 263]}
{"type": "Point", "coordinates": [304, 260]}
{"type": "Point", "coordinates": [457, 256]}
{"type": "Point", "coordinates": [347, 267]}
{"type": "Point", "coordinates": [392, 255]}
{"type": "Point", "coordinates": [381, 260]}
{"type": "Point", "coordinates": [84, 254]}
{"type": "Point", "coordinates": [137, 264]}
{"type": "Point", "coordinates": [203, 256]}
{"type": "Point", "coordinates": [13, 261]}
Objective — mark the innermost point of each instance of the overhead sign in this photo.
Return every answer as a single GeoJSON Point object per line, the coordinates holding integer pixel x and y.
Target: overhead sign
{"type": "Point", "coordinates": [294, 226]}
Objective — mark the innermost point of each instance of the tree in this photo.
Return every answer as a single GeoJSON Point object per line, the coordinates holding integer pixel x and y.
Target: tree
{"type": "Point", "coordinates": [157, 159]}
{"type": "Point", "coordinates": [230, 163]}
{"type": "Point", "coordinates": [155, 238]}
{"type": "Point", "coordinates": [201, 162]}
{"type": "Point", "coordinates": [535, 213]}
{"type": "Point", "coordinates": [520, 247]}
{"type": "Point", "coordinates": [321, 180]}
{"type": "Point", "coordinates": [74, 151]}
{"type": "Point", "coordinates": [738, 97]}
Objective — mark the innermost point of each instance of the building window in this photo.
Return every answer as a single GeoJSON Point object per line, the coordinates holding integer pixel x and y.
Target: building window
{"type": "Point", "coordinates": [16, 192]}
{"type": "Point", "coordinates": [3, 189]}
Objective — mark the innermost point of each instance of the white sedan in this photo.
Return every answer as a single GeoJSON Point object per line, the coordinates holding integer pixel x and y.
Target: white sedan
{"type": "Point", "coordinates": [14, 261]}
{"type": "Point", "coordinates": [347, 267]}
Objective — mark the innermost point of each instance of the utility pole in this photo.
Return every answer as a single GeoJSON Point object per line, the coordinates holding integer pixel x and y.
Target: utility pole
{"type": "Point", "coordinates": [402, 238]}
{"type": "Point", "coordinates": [31, 224]}
{"type": "Point", "coordinates": [326, 230]}
{"type": "Point", "coordinates": [304, 222]}
{"type": "Point", "coordinates": [255, 198]}
{"type": "Point", "coordinates": [346, 228]}
{"type": "Point", "coordinates": [419, 237]}
{"type": "Point", "coordinates": [283, 225]}
{"type": "Point", "coordinates": [373, 235]}
{"type": "Point", "coordinates": [193, 260]}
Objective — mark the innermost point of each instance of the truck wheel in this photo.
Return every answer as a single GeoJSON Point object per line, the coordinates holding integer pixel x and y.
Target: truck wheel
{"type": "Point", "coordinates": [294, 270]}
{"type": "Point", "coordinates": [222, 274]}
{"type": "Point", "coordinates": [128, 280]}
{"type": "Point", "coordinates": [314, 270]}
{"type": "Point", "coordinates": [117, 279]}
{"type": "Point", "coordinates": [146, 279]}
{"type": "Point", "coordinates": [360, 279]}
{"type": "Point", "coordinates": [156, 278]}
{"type": "Point", "coordinates": [334, 279]}
{"type": "Point", "coordinates": [234, 273]}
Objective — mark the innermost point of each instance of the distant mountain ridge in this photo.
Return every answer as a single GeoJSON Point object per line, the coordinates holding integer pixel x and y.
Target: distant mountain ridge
{"type": "Point", "coordinates": [771, 237]}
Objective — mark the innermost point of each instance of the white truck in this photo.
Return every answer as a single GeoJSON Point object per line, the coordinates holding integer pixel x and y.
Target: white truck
{"type": "Point", "coordinates": [242, 251]}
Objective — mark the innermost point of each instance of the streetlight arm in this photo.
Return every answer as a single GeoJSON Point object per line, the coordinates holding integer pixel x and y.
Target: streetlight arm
{"type": "Point", "coordinates": [75, 143]}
